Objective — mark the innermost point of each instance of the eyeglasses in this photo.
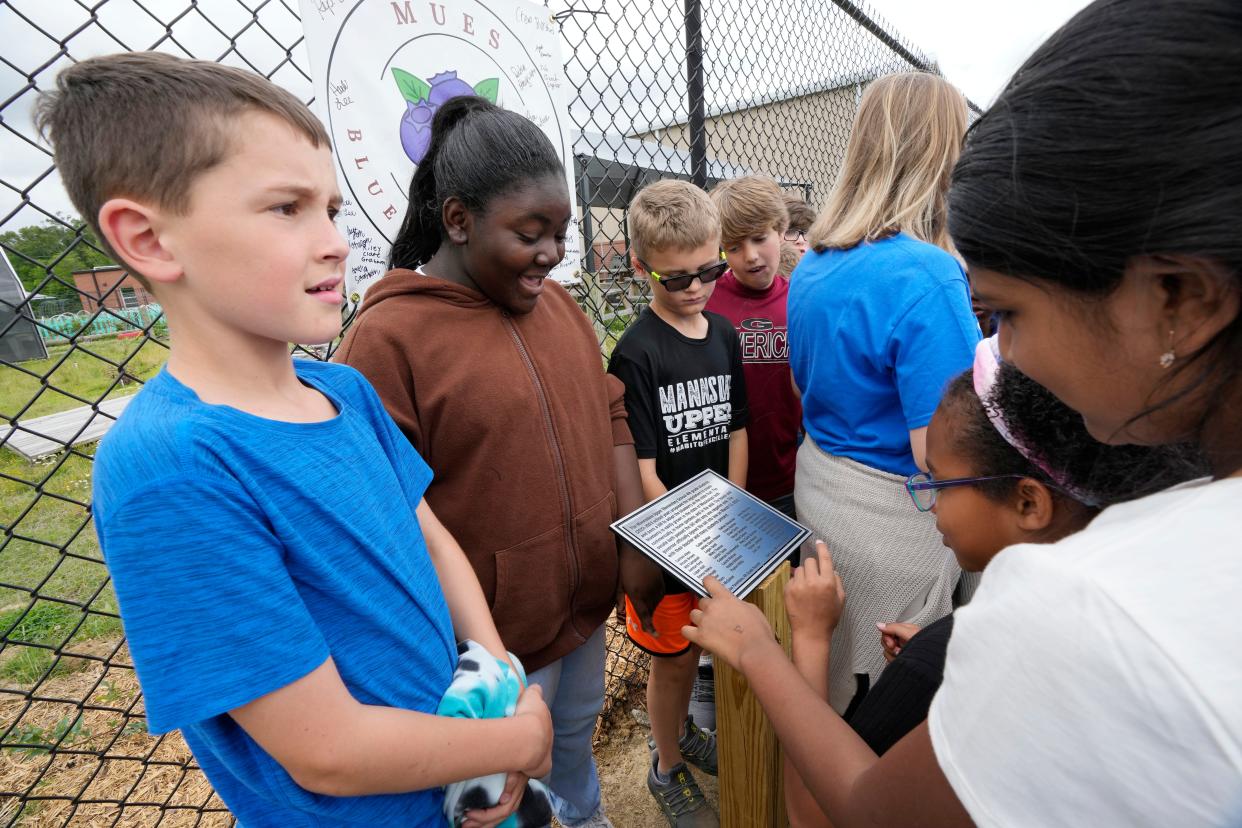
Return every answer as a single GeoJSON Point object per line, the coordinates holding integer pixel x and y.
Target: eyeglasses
{"type": "Point", "coordinates": [923, 488]}
{"type": "Point", "coordinates": [674, 284]}
{"type": "Point", "coordinates": [792, 235]}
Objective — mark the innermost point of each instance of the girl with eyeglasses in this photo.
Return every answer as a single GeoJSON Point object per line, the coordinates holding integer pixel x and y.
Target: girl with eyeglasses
{"type": "Point", "coordinates": [1008, 463]}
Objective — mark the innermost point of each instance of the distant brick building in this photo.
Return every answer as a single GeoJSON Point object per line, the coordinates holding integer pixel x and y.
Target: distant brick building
{"type": "Point", "coordinates": [610, 255]}
{"type": "Point", "coordinates": [111, 287]}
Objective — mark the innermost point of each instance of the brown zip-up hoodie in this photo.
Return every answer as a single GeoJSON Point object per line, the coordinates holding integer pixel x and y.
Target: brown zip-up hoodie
{"type": "Point", "coordinates": [517, 419]}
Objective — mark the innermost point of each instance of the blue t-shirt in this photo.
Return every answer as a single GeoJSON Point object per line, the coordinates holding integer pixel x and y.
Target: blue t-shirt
{"type": "Point", "coordinates": [245, 551]}
{"type": "Point", "coordinates": [875, 334]}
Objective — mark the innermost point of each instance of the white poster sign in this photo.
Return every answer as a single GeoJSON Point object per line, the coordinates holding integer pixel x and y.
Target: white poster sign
{"type": "Point", "coordinates": [382, 68]}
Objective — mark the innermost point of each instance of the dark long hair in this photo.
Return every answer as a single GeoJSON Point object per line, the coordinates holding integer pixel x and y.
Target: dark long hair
{"type": "Point", "coordinates": [1069, 457]}
{"type": "Point", "coordinates": [1120, 136]}
{"type": "Point", "coordinates": [477, 152]}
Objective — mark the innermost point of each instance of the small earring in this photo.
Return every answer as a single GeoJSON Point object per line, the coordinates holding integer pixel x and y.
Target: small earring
{"type": "Point", "coordinates": [1168, 357]}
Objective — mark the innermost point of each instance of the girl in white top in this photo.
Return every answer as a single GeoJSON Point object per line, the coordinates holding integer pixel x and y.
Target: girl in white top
{"type": "Point", "coordinates": [1097, 681]}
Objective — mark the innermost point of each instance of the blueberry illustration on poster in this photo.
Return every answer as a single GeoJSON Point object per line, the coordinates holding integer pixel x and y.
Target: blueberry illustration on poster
{"type": "Point", "coordinates": [423, 98]}
{"type": "Point", "coordinates": [380, 71]}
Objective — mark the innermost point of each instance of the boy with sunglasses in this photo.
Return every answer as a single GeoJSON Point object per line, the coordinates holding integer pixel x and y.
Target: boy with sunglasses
{"type": "Point", "coordinates": [685, 393]}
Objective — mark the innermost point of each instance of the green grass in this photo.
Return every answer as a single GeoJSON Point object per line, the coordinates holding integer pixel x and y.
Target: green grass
{"type": "Point", "coordinates": [69, 728]}
{"type": "Point", "coordinates": [53, 624]}
{"type": "Point", "coordinates": [43, 509]}
{"type": "Point", "coordinates": [611, 333]}
{"type": "Point", "coordinates": [33, 568]}
{"type": "Point", "coordinates": [49, 622]}
{"type": "Point", "coordinates": [82, 373]}
{"type": "Point", "coordinates": [618, 324]}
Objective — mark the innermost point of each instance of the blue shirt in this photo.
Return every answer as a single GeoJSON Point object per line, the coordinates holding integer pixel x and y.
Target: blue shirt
{"type": "Point", "coordinates": [875, 334]}
{"type": "Point", "coordinates": [245, 551]}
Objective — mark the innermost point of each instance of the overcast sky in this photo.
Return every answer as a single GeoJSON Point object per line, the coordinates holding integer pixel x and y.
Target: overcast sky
{"type": "Point", "coordinates": [978, 43]}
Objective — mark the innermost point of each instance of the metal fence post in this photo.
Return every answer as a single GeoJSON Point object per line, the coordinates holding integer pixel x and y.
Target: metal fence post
{"type": "Point", "coordinates": [695, 103]}
{"type": "Point", "coordinates": [588, 226]}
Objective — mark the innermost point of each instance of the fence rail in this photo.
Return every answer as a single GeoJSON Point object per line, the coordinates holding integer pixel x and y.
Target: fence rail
{"type": "Point", "coordinates": [696, 89]}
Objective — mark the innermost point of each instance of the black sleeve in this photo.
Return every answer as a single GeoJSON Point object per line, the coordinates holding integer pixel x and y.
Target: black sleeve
{"type": "Point", "coordinates": [902, 695]}
{"type": "Point", "coordinates": [641, 409]}
{"type": "Point", "coordinates": [740, 414]}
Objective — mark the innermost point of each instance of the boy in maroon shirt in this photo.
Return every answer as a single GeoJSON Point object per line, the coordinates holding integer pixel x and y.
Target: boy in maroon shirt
{"type": "Point", "coordinates": [752, 295]}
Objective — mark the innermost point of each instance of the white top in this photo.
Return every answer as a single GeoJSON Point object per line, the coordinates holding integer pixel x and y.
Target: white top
{"type": "Point", "coordinates": [1098, 681]}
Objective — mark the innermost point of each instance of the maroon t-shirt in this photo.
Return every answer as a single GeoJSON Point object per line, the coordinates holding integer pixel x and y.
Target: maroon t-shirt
{"type": "Point", "coordinates": [775, 413]}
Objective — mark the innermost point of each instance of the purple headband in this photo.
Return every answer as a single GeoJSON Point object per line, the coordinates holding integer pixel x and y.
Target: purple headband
{"type": "Point", "coordinates": [987, 368]}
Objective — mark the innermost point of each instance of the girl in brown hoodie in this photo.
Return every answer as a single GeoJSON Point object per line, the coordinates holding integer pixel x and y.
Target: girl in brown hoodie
{"type": "Point", "coordinates": [494, 374]}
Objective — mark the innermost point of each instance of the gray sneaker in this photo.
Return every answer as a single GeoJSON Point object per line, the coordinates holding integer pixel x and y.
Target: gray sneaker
{"type": "Point", "coordinates": [703, 696]}
{"type": "Point", "coordinates": [595, 820]}
{"type": "Point", "coordinates": [698, 746]}
{"type": "Point", "coordinates": [680, 799]}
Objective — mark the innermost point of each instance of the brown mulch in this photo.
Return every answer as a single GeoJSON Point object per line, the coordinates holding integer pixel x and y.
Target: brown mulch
{"type": "Point", "coordinates": [106, 765]}
{"type": "Point", "coordinates": [623, 763]}
{"type": "Point", "coordinates": [625, 672]}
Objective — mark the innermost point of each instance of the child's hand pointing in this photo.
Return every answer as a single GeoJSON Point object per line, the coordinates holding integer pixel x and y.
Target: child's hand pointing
{"type": "Point", "coordinates": [728, 627]}
{"type": "Point", "coordinates": [815, 597]}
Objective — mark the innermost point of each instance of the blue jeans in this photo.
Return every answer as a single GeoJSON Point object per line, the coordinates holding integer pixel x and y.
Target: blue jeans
{"type": "Point", "coordinates": [573, 688]}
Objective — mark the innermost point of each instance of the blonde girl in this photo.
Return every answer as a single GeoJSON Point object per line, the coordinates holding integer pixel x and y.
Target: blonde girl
{"type": "Point", "coordinates": [879, 321]}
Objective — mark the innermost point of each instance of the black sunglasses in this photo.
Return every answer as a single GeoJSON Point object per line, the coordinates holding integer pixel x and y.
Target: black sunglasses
{"type": "Point", "coordinates": [673, 284]}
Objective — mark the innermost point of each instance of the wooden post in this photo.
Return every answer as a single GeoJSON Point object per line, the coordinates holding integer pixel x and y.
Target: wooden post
{"type": "Point", "coordinates": [752, 790]}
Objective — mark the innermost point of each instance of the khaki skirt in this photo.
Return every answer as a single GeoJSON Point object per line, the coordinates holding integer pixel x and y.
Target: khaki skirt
{"type": "Point", "coordinates": [890, 556]}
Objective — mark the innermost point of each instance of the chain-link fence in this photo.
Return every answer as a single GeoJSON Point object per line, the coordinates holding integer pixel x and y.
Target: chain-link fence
{"type": "Point", "coordinates": [698, 89]}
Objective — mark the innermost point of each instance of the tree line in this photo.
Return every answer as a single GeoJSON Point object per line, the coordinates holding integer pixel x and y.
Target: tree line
{"type": "Point", "coordinates": [61, 245]}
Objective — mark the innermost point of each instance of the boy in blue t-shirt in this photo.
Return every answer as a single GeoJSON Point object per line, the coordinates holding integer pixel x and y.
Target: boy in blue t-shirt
{"type": "Point", "coordinates": [290, 601]}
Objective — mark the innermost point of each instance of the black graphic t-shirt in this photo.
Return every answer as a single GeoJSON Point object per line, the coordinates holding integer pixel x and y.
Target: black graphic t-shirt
{"type": "Point", "coordinates": [683, 396]}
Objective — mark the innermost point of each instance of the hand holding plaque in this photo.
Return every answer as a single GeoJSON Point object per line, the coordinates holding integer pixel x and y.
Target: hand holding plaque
{"type": "Point", "coordinates": [709, 526]}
